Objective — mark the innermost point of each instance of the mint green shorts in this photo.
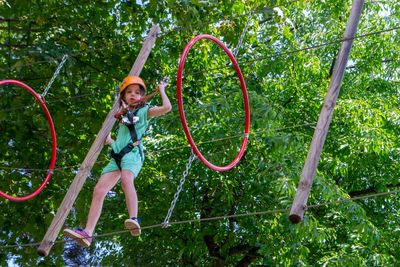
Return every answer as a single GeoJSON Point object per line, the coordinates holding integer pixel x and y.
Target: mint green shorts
{"type": "Point", "coordinates": [131, 162]}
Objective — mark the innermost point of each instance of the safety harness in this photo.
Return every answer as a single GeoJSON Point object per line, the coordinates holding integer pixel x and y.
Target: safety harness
{"type": "Point", "coordinates": [129, 120]}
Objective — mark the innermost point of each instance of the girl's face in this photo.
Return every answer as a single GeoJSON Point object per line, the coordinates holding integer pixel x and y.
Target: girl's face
{"type": "Point", "coordinates": [132, 94]}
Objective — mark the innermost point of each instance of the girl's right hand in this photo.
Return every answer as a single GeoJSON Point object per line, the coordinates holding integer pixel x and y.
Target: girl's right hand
{"type": "Point", "coordinates": [163, 84]}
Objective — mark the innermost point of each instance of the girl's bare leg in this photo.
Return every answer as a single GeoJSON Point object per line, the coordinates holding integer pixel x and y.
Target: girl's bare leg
{"type": "Point", "coordinates": [106, 182]}
{"type": "Point", "coordinates": [128, 186]}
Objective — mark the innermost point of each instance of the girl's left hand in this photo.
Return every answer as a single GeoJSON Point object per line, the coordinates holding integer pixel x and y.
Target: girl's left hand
{"type": "Point", "coordinates": [109, 140]}
{"type": "Point", "coordinates": [124, 105]}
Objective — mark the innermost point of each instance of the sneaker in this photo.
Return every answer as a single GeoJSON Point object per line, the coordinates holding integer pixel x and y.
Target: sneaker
{"type": "Point", "coordinates": [79, 235]}
{"type": "Point", "coordinates": [133, 225]}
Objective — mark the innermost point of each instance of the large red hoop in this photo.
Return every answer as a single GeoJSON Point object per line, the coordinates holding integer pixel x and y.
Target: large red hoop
{"type": "Point", "coordinates": [53, 135]}
{"type": "Point", "coordinates": [182, 112]}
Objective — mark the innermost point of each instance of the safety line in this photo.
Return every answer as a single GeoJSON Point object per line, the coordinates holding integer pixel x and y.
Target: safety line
{"type": "Point", "coordinates": [278, 54]}
{"type": "Point", "coordinates": [251, 61]}
{"type": "Point", "coordinates": [322, 45]}
{"type": "Point", "coordinates": [222, 217]}
{"type": "Point", "coordinates": [254, 133]}
{"type": "Point", "coordinates": [177, 28]}
{"type": "Point", "coordinates": [298, 50]}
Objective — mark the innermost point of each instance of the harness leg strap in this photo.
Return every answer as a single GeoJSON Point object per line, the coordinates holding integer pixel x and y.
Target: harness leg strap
{"type": "Point", "coordinates": [128, 148]}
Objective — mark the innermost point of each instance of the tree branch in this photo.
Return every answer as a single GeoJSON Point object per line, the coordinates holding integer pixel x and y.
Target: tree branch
{"type": "Point", "coordinates": [213, 250]}
{"type": "Point", "coordinates": [249, 257]}
{"type": "Point", "coordinates": [370, 190]}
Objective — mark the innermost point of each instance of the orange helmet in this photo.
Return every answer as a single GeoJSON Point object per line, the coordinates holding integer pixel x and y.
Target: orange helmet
{"type": "Point", "coordinates": [132, 80]}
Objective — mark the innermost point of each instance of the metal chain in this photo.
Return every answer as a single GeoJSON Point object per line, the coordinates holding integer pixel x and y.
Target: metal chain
{"type": "Point", "coordinates": [116, 91]}
{"type": "Point", "coordinates": [236, 51]}
{"type": "Point", "coordinates": [173, 202]}
{"type": "Point", "coordinates": [65, 57]}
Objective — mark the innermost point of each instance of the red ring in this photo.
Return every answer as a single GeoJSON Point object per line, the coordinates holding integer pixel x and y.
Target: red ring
{"type": "Point", "coordinates": [53, 135]}
{"type": "Point", "coordinates": [182, 113]}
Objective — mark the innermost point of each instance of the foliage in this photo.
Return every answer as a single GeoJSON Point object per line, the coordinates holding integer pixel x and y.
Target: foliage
{"type": "Point", "coordinates": [287, 57]}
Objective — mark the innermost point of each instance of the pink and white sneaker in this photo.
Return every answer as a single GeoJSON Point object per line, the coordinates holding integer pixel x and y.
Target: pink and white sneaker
{"type": "Point", "coordinates": [133, 225]}
{"type": "Point", "coordinates": [79, 235]}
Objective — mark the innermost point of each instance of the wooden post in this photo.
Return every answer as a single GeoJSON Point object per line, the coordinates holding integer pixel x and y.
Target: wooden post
{"type": "Point", "coordinates": [91, 157]}
{"type": "Point", "coordinates": [300, 202]}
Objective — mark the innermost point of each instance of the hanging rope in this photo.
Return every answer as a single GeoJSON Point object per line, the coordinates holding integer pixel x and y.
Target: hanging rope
{"type": "Point", "coordinates": [65, 57]}
{"type": "Point", "coordinates": [176, 196]}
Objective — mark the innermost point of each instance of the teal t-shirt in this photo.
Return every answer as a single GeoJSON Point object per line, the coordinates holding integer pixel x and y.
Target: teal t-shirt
{"type": "Point", "coordinates": [124, 136]}
{"type": "Point", "coordinates": [132, 161]}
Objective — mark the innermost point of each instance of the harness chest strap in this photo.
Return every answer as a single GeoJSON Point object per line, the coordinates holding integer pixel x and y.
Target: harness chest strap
{"type": "Point", "coordinates": [128, 148]}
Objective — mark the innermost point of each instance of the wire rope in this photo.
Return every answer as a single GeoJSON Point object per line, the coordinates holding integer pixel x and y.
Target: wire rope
{"type": "Point", "coordinates": [222, 217]}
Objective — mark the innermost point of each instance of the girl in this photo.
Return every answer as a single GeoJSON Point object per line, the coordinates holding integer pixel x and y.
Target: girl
{"type": "Point", "coordinates": [127, 153]}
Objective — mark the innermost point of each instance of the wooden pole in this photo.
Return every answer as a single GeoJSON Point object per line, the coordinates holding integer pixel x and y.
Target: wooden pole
{"type": "Point", "coordinates": [300, 202]}
{"type": "Point", "coordinates": [91, 157]}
